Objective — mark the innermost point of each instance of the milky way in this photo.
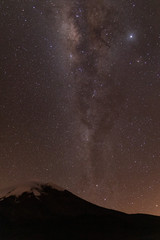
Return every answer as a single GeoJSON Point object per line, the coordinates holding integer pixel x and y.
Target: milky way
{"type": "Point", "coordinates": [98, 100]}
{"type": "Point", "coordinates": [79, 100]}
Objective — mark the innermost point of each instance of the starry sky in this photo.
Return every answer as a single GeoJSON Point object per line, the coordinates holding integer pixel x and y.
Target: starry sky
{"type": "Point", "coordinates": [79, 98]}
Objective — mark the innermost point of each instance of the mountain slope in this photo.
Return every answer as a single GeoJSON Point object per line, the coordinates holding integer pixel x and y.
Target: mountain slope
{"type": "Point", "coordinates": [44, 211]}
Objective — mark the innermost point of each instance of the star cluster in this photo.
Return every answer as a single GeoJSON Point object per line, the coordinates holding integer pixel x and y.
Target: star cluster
{"type": "Point", "coordinates": [80, 98]}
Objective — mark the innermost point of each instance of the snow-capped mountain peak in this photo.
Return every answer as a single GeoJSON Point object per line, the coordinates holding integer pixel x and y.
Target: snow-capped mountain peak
{"type": "Point", "coordinates": [28, 187]}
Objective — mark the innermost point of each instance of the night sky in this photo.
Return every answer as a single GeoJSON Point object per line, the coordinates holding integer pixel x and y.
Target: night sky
{"type": "Point", "coordinates": [79, 98]}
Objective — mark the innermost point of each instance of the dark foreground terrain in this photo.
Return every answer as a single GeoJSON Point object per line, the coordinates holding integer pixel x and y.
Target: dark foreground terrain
{"type": "Point", "coordinates": [45, 213]}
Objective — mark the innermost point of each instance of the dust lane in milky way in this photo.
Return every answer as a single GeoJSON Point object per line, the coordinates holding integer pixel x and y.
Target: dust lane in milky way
{"type": "Point", "coordinates": [79, 100]}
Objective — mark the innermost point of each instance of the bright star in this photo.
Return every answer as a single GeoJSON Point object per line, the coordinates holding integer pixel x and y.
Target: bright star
{"type": "Point", "coordinates": [131, 36]}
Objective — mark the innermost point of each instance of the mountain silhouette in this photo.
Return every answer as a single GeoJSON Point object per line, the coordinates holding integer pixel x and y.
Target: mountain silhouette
{"type": "Point", "coordinates": [37, 211]}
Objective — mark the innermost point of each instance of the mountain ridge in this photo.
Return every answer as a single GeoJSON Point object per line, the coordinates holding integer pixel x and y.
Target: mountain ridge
{"type": "Point", "coordinates": [56, 213]}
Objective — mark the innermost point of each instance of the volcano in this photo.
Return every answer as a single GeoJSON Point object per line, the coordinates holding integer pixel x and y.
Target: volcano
{"type": "Point", "coordinates": [37, 211]}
